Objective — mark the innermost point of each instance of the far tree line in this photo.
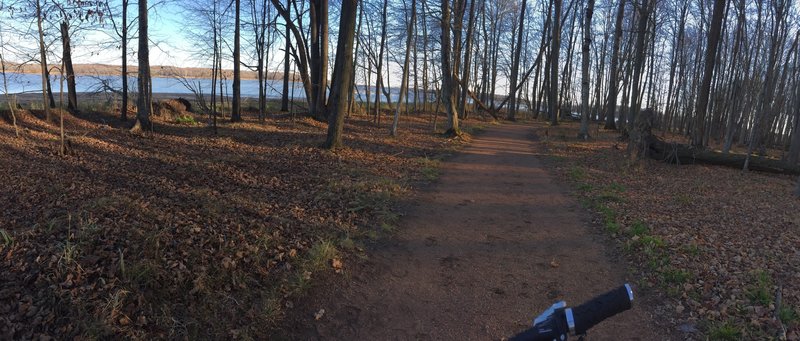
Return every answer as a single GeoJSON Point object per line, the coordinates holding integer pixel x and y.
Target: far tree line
{"type": "Point", "coordinates": [722, 73]}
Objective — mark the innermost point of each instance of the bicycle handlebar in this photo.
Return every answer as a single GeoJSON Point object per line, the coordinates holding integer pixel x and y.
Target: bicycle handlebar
{"type": "Point", "coordinates": [558, 321]}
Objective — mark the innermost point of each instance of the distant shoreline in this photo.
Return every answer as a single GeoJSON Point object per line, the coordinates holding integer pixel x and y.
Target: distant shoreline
{"type": "Point", "coordinates": [161, 71]}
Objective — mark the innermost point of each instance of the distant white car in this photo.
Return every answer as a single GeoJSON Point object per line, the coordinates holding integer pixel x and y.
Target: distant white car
{"type": "Point", "coordinates": [575, 115]}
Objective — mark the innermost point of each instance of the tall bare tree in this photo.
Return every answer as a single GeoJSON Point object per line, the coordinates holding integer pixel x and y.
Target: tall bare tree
{"type": "Point", "coordinates": [342, 70]}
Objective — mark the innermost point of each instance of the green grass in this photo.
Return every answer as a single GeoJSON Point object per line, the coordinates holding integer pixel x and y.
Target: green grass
{"type": "Point", "coordinates": [675, 276]}
{"type": "Point", "coordinates": [472, 130]}
{"type": "Point", "coordinates": [429, 168]}
{"type": "Point", "coordinates": [638, 228]}
{"type": "Point", "coordinates": [186, 119]}
{"type": "Point", "coordinates": [319, 255]}
{"type": "Point", "coordinates": [585, 187]}
{"type": "Point", "coordinates": [761, 290]}
{"type": "Point", "coordinates": [724, 331]}
{"type": "Point", "coordinates": [576, 173]}
{"type": "Point", "coordinates": [5, 237]}
{"type": "Point", "coordinates": [788, 315]}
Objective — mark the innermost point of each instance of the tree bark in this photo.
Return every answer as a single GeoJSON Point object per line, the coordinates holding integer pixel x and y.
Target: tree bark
{"type": "Point", "coordinates": [587, 41]}
{"type": "Point", "coordinates": [72, 95]}
{"type": "Point", "coordinates": [342, 69]}
{"type": "Point", "coordinates": [143, 105]}
{"type": "Point", "coordinates": [448, 86]}
{"type": "Point", "coordinates": [555, 46]}
{"type": "Point", "coordinates": [285, 95]}
{"type": "Point", "coordinates": [124, 107]}
{"type": "Point", "coordinates": [705, 86]}
{"type": "Point", "coordinates": [236, 102]}
{"type": "Point", "coordinates": [512, 102]}
{"type": "Point", "coordinates": [43, 62]}
{"type": "Point", "coordinates": [404, 81]}
{"type": "Point", "coordinates": [613, 84]}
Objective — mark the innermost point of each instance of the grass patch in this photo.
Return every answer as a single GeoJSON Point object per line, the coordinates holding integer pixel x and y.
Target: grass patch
{"type": "Point", "coordinates": [638, 228]}
{"type": "Point", "coordinates": [585, 187]}
{"type": "Point", "coordinates": [5, 238]}
{"type": "Point", "coordinates": [320, 255]}
{"type": "Point", "coordinates": [186, 119]}
{"type": "Point", "coordinates": [576, 173]}
{"type": "Point", "coordinates": [761, 290]}
{"type": "Point", "coordinates": [675, 276]}
{"type": "Point", "coordinates": [429, 168]}
{"type": "Point", "coordinates": [724, 331]}
{"type": "Point", "coordinates": [788, 315]}
{"type": "Point", "coordinates": [472, 130]}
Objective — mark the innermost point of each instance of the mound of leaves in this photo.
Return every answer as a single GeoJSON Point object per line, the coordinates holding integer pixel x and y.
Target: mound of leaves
{"type": "Point", "coordinates": [722, 247]}
{"type": "Point", "coordinates": [183, 233]}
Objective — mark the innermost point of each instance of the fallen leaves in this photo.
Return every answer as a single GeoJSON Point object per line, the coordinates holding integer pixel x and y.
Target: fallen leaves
{"type": "Point", "coordinates": [715, 243]}
{"type": "Point", "coordinates": [184, 233]}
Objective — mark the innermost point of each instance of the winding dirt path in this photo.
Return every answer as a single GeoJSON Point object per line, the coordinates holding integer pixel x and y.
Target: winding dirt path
{"type": "Point", "coordinates": [493, 243]}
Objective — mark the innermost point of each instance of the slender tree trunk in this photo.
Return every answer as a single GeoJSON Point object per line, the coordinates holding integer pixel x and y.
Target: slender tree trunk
{"type": "Point", "coordinates": [512, 101]}
{"type": "Point", "coordinates": [43, 62]}
{"type": "Point", "coordinates": [705, 87]}
{"type": "Point", "coordinates": [404, 82]}
{"type": "Point", "coordinates": [448, 93]}
{"type": "Point", "coordinates": [236, 109]}
{"type": "Point", "coordinates": [144, 104]}
{"type": "Point", "coordinates": [342, 69]}
{"type": "Point", "coordinates": [285, 94]}
{"type": "Point", "coordinates": [613, 86]}
{"type": "Point", "coordinates": [124, 108]}
{"type": "Point", "coordinates": [72, 96]}
{"type": "Point", "coordinates": [587, 41]}
{"type": "Point", "coordinates": [462, 103]}
{"type": "Point", "coordinates": [640, 54]}
{"type": "Point", "coordinates": [555, 46]}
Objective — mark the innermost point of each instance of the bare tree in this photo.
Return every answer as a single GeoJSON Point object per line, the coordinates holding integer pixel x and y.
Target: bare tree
{"type": "Point", "coordinates": [448, 83]}
{"type": "Point", "coordinates": [404, 82]}
{"type": "Point", "coordinates": [587, 41]}
{"type": "Point", "coordinates": [342, 69]}
{"type": "Point", "coordinates": [144, 101]}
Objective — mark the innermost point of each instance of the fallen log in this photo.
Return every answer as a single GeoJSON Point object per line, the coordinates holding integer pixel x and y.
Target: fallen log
{"type": "Point", "coordinates": [643, 142]}
{"type": "Point", "coordinates": [685, 154]}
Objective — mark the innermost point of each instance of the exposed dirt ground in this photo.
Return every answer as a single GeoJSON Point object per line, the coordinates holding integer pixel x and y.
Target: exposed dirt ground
{"type": "Point", "coordinates": [493, 243]}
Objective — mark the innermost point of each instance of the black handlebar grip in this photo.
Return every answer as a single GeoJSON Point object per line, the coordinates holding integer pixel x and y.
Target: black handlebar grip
{"type": "Point", "coordinates": [589, 314]}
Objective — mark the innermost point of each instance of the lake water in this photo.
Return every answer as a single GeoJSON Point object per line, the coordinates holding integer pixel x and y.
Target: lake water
{"type": "Point", "coordinates": [32, 83]}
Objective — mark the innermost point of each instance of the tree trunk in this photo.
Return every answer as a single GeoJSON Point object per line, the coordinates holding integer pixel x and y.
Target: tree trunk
{"type": "Point", "coordinates": [404, 82]}
{"type": "Point", "coordinates": [638, 67]}
{"type": "Point", "coordinates": [613, 84]}
{"type": "Point", "coordinates": [236, 101]}
{"type": "Point", "coordinates": [72, 96]}
{"type": "Point", "coordinates": [448, 87]}
{"type": "Point", "coordinates": [342, 69]}
{"type": "Point", "coordinates": [555, 46]}
{"type": "Point", "coordinates": [462, 103]}
{"type": "Point", "coordinates": [512, 102]}
{"type": "Point", "coordinates": [144, 102]}
{"type": "Point", "coordinates": [379, 63]}
{"type": "Point", "coordinates": [705, 87]}
{"type": "Point", "coordinates": [43, 62]}
{"type": "Point", "coordinates": [587, 41]}
{"type": "Point", "coordinates": [285, 95]}
{"type": "Point", "coordinates": [124, 107]}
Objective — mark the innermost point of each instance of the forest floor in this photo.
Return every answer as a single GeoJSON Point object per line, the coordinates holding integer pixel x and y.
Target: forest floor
{"type": "Point", "coordinates": [183, 234]}
{"type": "Point", "coordinates": [720, 247]}
{"type": "Point", "coordinates": [477, 255]}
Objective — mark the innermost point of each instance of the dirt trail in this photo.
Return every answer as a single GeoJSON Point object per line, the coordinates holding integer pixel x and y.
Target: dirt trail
{"type": "Point", "coordinates": [490, 245]}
